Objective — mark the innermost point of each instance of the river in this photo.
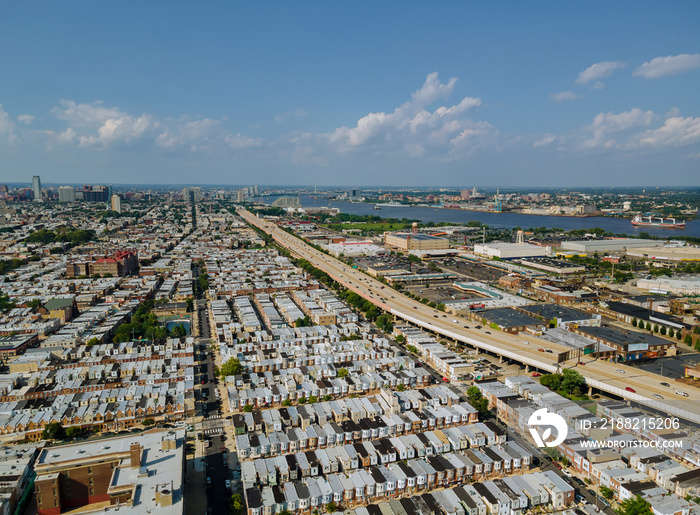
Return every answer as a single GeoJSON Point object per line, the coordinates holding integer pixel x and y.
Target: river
{"type": "Point", "coordinates": [499, 220]}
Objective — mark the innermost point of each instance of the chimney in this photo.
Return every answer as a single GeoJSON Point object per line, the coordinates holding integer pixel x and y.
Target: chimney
{"type": "Point", "coordinates": [135, 455]}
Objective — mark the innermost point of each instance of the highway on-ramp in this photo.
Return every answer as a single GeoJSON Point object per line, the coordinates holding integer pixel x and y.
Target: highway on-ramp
{"type": "Point", "coordinates": [613, 378]}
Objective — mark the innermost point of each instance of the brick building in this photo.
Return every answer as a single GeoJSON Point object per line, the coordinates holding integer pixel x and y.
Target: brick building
{"type": "Point", "coordinates": [118, 265]}
{"type": "Point", "coordinates": [143, 472]}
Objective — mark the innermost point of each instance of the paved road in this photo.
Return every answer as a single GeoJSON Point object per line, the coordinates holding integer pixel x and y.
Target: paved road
{"type": "Point", "coordinates": [610, 377]}
{"type": "Point", "coordinates": [217, 494]}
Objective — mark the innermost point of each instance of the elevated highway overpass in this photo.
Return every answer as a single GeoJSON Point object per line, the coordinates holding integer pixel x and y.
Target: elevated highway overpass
{"type": "Point", "coordinates": [613, 378]}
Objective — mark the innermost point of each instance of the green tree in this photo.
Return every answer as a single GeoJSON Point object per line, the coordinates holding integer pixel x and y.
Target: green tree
{"type": "Point", "coordinates": [286, 403]}
{"type": "Point", "coordinates": [231, 368]}
{"type": "Point", "coordinates": [331, 507]}
{"type": "Point", "coordinates": [5, 303]}
{"type": "Point", "coordinates": [412, 349]}
{"type": "Point", "coordinates": [635, 506]}
{"type": "Point", "coordinates": [190, 304]}
{"type": "Point", "coordinates": [385, 322]}
{"type": "Point", "coordinates": [303, 322]}
{"type": "Point", "coordinates": [606, 492]}
{"type": "Point", "coordinates": [313, 399]}
{"type": "Point", "coordinates": [572, 380]}
{"type": "Point", "coordinates": [148, 421]}
{"type": "Point", "coordinates": [236, 504]}
{"type": "Point", "coordinates": [400, 338]}
{"type": "Point", "coordinates": [688, 339]}
{"type": "Point", "coordinates": [73, 431]}
{"type": "Point", "coordinates": [477, 400]}
{"type": "Point", "coordinates": [551, 381]}
{"type": "Point", "coordinates": [92, 342]}
{"type": "Point", "coordinates": [52, 431]}
{"type": "Point", "coordinates": [248, 408]}
{"type": "Point", "coordinates": [342, 372]}
{"type": "Point", "coordinates": [662, 331]}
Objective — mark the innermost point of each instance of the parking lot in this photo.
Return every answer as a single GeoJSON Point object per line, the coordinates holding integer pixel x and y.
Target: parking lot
{"type": "Point", "coordinates": [442, 292]}
{"type": "Point", "coordinates": [470, 269]}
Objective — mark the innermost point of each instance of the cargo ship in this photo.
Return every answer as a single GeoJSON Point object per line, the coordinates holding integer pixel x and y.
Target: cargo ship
{"type": "Point", "coordinates": [657, 220]}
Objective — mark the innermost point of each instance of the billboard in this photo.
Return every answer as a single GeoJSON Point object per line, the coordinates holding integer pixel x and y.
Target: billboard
{"type": "Point", "coordinates": [632, 347]}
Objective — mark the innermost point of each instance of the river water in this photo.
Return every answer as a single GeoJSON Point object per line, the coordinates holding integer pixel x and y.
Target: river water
{"type": "Point", "coordinates": [499, 220]}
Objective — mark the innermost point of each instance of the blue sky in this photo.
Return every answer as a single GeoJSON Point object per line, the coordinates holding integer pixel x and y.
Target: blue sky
{"type": "Point", "coordinates": [351, 93]}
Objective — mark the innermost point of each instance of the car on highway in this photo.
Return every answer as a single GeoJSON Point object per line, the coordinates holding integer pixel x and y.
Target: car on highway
{"type": "Point", "coordinates": [581, 363]}
{"type": "Point", "coordinates": [620, 371]}
{"type": "Point", "coordinates": [550, 351]}
{"type": "Point", "coordinates": [525, 342]}
{"type": "Point", "coordinates": [665, 384]}
{"type": "Point", "coordinates": [454, 320]}
{"type": "Point", "coordinates": [630, 389]}
{"type": "Point", "coordinates": [657, 396]}
{"type": "Point", "coordinates": [540, 350]}
{"type": "Point", "coordinates": [466, 327]}
{"type": "Point", "coordinates": [478, 327]}
{"type": "Point", "coordinates": [682, 394]}
{"type": "Point", "coordinates": [228, 484]}
{"type": "Point", "coordinates": [487, 332]}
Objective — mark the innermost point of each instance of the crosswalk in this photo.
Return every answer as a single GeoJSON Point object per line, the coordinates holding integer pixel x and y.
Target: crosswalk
{"type": "Point", "coordinates": [214, 431]}
{"type": "Point", "coordinates": [213, 417]}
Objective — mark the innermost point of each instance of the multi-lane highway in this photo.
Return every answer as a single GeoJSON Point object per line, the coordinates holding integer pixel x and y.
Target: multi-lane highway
{"type": "Point", "coordinates": [610, 377]}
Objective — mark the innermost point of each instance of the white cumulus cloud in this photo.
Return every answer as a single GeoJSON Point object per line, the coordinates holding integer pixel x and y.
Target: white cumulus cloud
{"type": "Point", "coordinates": [598, 71]}
{"type": "Point", "coordinates": [605, 124]}
{"type": "Point", "coordinates": [97, 125]}
{"type": "Point", "coordinates": [677, 131]}
{"type": "Point", "coordinates": [7, 126]}
{"type": "Point", "coordinates": [563, 96]}
{"type": "Point", "coordinates": [414, 128]}
{"type": "Point", "coordinates": [669, 65]}
{"type": "Point", "coordinates": [544, 141]}
{"type": "Point", "coordinates": [25, 119]}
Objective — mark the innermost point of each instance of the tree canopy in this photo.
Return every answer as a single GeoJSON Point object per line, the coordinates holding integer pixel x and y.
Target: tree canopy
{"type": "Point", "coordinates": [230, 368]}
{"type": "Point", "coordinates": [635, 506]}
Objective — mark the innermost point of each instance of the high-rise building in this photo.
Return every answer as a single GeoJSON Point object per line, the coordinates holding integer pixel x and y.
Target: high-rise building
{"type": "Point", "coordinates": [66, 194]}
{"type": "Point", "coordinates": [97, 193]}
{"type": "Point", "coordinates": [192, 193]}
{"type": "Point", "coordinates": [116, 203]}
{"type": "Point", "coordinates": [241, 196]}
{"type": "Point", "coordinates": [256, 190]}
{"type": "Point", "coordinates": [36, 187]}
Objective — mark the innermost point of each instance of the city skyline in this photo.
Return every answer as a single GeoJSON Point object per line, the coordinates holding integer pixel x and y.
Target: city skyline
{"type": "Point", "coordinates": [443, 95]}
